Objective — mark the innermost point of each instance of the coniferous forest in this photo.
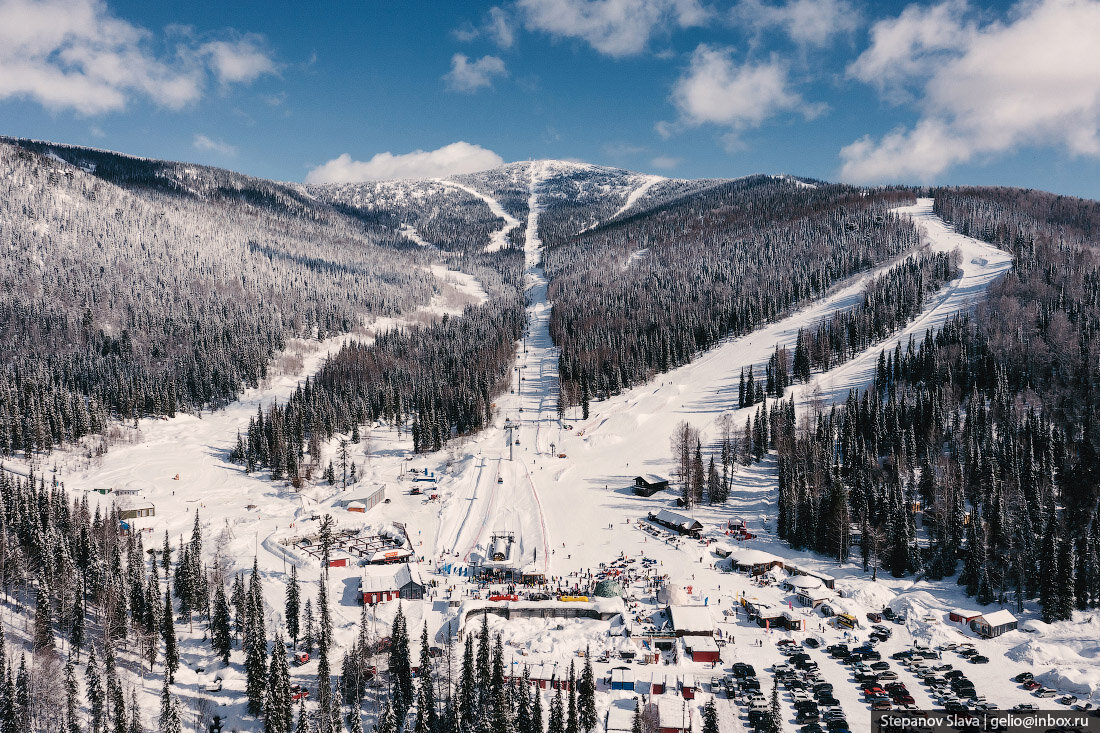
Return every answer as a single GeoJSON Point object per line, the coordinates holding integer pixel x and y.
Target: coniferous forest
{"type": "Point", "coordinates": [699, 268]}
{"type": "Point", "coordinates": [986, 429]}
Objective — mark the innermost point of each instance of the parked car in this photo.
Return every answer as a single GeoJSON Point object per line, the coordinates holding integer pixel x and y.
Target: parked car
{"type": "Point", "coordinates": [1044, 692]}
{"type": "Point", "coordinates": [1024, 677]}
{"type": "Point", "coordinates": [214, 685]}
{"type": "Point", "coordinates": [979, 659]}
{"type": "Point", "coordinates": [874, 617]}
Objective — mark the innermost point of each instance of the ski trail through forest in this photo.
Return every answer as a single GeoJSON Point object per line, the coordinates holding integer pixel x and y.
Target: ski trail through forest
{"type": "Point", "coordinates": [494, 494]}
{"type": "Point", "coordinates": [637, 193]}
{"type": "Point", "coordinates": [499, 238]}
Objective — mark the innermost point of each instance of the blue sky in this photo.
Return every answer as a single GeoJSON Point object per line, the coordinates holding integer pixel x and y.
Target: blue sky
{"type": "Point", "coordinates": [947, 92]}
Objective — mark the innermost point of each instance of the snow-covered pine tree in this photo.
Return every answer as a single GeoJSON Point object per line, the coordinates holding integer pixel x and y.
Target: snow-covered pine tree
{"type": "Point", "coordinates": [221, 634]}
{"type": "Point", "coordinates": [586, 691]}
{"type": "Point", "coordinates": [168, 633]}
{"type": "Point", "coordinates": [278, 706]}
{"type": "Point", "coordinates": [293, 608]}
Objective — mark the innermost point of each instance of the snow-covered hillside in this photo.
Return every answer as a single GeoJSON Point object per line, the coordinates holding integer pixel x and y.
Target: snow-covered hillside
{"type": "Point", "coordinates": [525, 516]}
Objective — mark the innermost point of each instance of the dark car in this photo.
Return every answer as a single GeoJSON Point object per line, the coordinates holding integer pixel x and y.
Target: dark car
{"type": "Point", "coordinates": [811, 642]}
{"type": "Point", "coordinates": [1023, 677]}
{"type": "Point", "coordinates": [979, 659]}
{"type": "Point", "coordinates": [882, 705]}
{"type": "Point", "coordinates": [874, 617]}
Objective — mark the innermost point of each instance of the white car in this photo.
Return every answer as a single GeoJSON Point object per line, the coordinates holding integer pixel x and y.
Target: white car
{"type": "Point", "coordinates": [214, 685]}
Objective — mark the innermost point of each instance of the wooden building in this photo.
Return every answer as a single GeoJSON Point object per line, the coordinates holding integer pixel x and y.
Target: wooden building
{"type": "Point", "coordinates": [993, 624]}
{"type": "Point", "coordinates": [382, 583]}
{"type": "Point", "coordinates": [649, 484]}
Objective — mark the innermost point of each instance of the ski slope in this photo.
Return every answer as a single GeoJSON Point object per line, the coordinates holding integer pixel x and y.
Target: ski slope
{"type": "Point", "coordinates": [499, 239]}
{"type": "Point", "coordinates": [637, 193]}
{"type": "Point", "coordinates": [496, 494]}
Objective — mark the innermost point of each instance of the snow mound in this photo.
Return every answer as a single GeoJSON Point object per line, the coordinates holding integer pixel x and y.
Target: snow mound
{"type": "Point", "coordinates": [872, 595]}
{"type": "Point", "coordinates": [1071, 679]}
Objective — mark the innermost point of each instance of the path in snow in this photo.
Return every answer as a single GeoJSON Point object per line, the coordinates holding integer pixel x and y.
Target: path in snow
{"type": "Point", "coordinates": [637, 193]}
{"type": "Point", "coordinates": [499, 238]}
{"type": "Point", "coordinates": [492, 494]}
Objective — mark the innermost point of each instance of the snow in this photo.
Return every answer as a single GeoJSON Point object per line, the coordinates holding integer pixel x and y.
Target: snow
{"type": "Point", "coordinates": [569, 514]}
{"type": "Point", "coordinates": [647, 183]}
{"type": "Point", "coordinates": [499, 238]}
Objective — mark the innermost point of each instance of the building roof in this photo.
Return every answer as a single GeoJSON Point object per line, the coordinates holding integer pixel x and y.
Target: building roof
{"type": "Point", "coordinates": [652, 478]}
{"type": "Point", "coordinates": [678, 520]}
{"type": "Point", "coordinates": [998, 618]}
{"type": "Point", "coordinates": [804, 582]}
{"type": "Point", "coordinates": [130, 504]}
{"type": "Point", "coordinates": [544, 672]}
{"type": "Point", "coordinates": [966, 613]}
{"type": "Point", "coordinates": [700, 644]}
{"type": "Point", "coordinates": [381, 578]}
{"type": "Point", "coordinates": [620, 720]}
{"type": "Point", "coordinates": [675, 714]}
{"type": "Point", "coordinates": [691, 619]}
{"type": "Point", "coordinates": [748, 556]}
{"type": "Point", "coordinates": [624, 676]}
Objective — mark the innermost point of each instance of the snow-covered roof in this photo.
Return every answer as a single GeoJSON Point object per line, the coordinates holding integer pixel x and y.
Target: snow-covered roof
{"type": "Point", "coordinates": [378, 578]}
{"type": "Point", "coordinates": [965, 613]}
{"type": "Point", "coordinates": [620, 720]}
{"type": "Point", "coordinates": [749, 556]}
{"type": "Point", "coordinates": [676, 519]}
{"type": "Point", "coordinates": [691, 619]}
{"type": "Point", "coordinates": [622, 676]}
{"type": "Point", "coordinates": [652, 478]}
{"type": "Point", "coordinates": [700, 644]}
{"type": "Point", "coordinates": [674, 714]}
{"type": "Point", "coordinates": [998, 618]}
{"type": "Point", "coordinates": [131, 504]}
{"type": "Point", "coordinates": [804, 582]}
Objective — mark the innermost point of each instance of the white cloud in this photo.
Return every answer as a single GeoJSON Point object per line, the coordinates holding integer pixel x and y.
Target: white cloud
{"type": "Point", "coordinates": [715, 90]}
{"type": "Point", "coordinates": [612, 27]}
{"type": "Point", "coordinates": [243, 60]}
{"type": "Point", "coordinates": [467, 76]}
{"type": "Point", "coordinates": [74, 54]}
{"type": "Point", "coordinates": [1034, 80]}
{"type": "Point", "coordinates": [665, 162]}
{"type": "Point", "coordinates": [498, 26]}
{"type": "Point", "coordinates": [449, 160]}
{"type": "Point", "coordinates": [806, 22]}
{"type": "Point", "coordinates": [912, 45]}
{"type": "Point", "coordinates": [202, 142]}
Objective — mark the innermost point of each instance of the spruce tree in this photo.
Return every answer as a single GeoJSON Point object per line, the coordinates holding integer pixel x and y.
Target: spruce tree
{"type": "Point", "coordinates": [255, 643]}
{"type": "Point", "coordinates": [170, 721]}
{"type": "Point", "coordinates": [72, 698]}
{"type": "Point", "coordinates": [401, 683]}
{"type": "Point", "coordinates": [426, 718]}
{"type": "Point", "coordinates": [536, 711]}
{"type": "Point", "coordinates": [278, 706]}
{"type": "Point", "coordinates": [221, 633]}
{"type": "Point", "coordinates": [710, 717]}
{"type": "Point", "coordinates": [586, 702]}
{"type": "Point", "coordinates": [94, 685]}
{"type": "Point", "coordinates": [168, 632]}
{"type": "Point", "coordinates": [556, 723]}
{"type": "Point", "coordinates": [571, 723]}
{"type": "Point", "coordinates": [387, 720]}
{"type": "Point", "coordinates": [293, 606]}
